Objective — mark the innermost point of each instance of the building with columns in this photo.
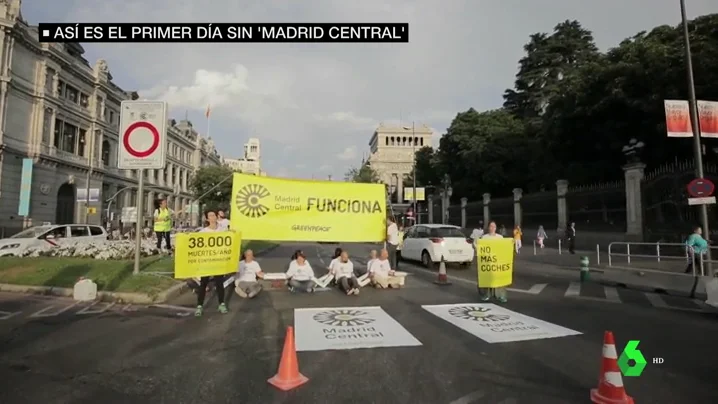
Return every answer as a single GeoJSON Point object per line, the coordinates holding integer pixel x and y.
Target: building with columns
{"type": "Point", "coordinates": [63, 112]}
{"type": "Point", "coordinates": [392, 153]}
{"type": "Point", "coordinates": [250, 163]}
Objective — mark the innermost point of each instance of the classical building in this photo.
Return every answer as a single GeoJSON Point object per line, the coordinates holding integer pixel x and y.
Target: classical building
{"type": "Point", "coordinates": [392, 153]}
{"type": "Point", "coordinates": [250, 163]}
{"type": "Point", "coordinates": [64, 113]}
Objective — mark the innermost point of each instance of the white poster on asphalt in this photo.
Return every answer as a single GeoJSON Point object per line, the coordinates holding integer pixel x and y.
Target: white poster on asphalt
{"type": "Point", "coordinates": [495, 324]}
{"type": "Point", "coordinates": [348, 328]}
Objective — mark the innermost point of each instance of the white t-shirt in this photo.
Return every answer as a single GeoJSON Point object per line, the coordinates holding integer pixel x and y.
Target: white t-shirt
{"type": "Point", "coordinates": [343, 269]}
{"type": "Point", "coordinates": [380, 267]}
{"type": "Point", "coordinates": [489, 236]}
{"type": "Point", "coordinates": [476, 234]}
{"type": "Point", "coordinates": [300, 272]}
{"type": "Point", "coordinates": [332, 264]}
{"type": "Point", "coordinates": [209, 229]}
{"type": "Point", "coordinates": [368, 264]}
{"type": "Point", "coordinates": [392, 234]}
{"type": "Point", "coordinates": [223, 223]}
{"type": "Point", "coordinates": [248, 271]}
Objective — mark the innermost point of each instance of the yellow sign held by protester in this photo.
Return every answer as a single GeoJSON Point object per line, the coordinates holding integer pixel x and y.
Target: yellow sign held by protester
{"type": "Point", "coordinates": [495, 259]}
{"type": "Point", "coordinates": [280, 209]}
{"type": "Point", "coordinates": [206, 254]}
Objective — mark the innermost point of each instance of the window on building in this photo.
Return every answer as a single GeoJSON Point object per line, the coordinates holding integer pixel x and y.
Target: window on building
{"type": "Point", "coordinates": [421, 141]}
{"type": "Point", "coordinates": [165, 175]}
{"type": "Point", "coordinates": [68, 140]}
{"type": "Point", "coordinates": [111, 119]}
{"type": "Point", "coordinates": [49, 81]}
{"type": "Point", "coordinates": [84, 100]}
{"type": "Point", "coordinates": [47, 126]}
{"type": "Point", "coordinates": [106, 153]}
{"type": "Point", "coordinates": [98, 107]}
{"type": "Point", "coordinates": [82, 143]}
{"type": "Point", "coordinates": [72, 94]}
{"type": "Point", "coordinates": [61, 88]}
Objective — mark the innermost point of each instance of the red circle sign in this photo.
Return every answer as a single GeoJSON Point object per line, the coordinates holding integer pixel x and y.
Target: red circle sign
{"type": "Point", "coordinates": [141, 153]}
{"type": "Point", "coordinates": [701, 187]}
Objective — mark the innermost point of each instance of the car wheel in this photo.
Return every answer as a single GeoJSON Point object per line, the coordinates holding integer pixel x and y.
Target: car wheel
{"type": "Point", "coordinates": [426, 259]}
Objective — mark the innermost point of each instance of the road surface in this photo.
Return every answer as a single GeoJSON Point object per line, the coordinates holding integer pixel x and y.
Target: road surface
{"type": "Point", "coordinates": [163, 355]}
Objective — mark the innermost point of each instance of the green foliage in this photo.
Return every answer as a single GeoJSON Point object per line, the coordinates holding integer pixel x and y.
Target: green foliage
{"type": "Point", "coordinates": [364, 174]}
{"type": "Point", "coordinates": [573, 108]}
{"type": "Point", "coordinates": [205, 189]}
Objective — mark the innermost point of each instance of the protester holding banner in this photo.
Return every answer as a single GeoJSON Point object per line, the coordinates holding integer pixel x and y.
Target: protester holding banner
{"type": "Point", "coordinates": [392, 240]}
{"type": "Point", "coordinates": [246, 285]}
{"type": "Point", "coordinates": [343, 271]}
{"type": "Point", "coordinates": [300, 274]}
{"type": "Point", "coordinates": [222, 220]}
{"type": "Point", "coordinates": [212, 226]}
{"type": "Point", "coordinates": [382, 276]}
{"type": "Point", "coordinates": [500, 292]}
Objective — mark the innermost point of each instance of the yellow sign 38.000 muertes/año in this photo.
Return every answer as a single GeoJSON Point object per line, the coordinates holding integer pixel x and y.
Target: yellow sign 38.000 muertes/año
{"type": "Point", "coordinates": [206, 254]}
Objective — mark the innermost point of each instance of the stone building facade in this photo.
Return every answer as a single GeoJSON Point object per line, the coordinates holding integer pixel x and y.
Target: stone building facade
{"type": "Point", "coordinates": [63, 112]}
{"type": "Point", "coordinates": [392, 153]}
{"type": "Point", "coordinates": [251, 162]}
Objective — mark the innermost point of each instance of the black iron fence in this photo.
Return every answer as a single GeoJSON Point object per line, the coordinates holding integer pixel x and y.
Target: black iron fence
{"type": "Point", "coordinates": [539, 209]}
{"type": "Point", "coordinates": [501, 211]}
{"type": "Point", "coordinates": [599, 207]}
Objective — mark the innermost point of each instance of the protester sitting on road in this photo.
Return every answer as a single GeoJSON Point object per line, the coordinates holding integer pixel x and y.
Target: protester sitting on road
{"type": "Point", "coordinates": [218, 280]}
{"type": "Point", "coordinates": [486, 293]}
{"type": "Point", "coordinates": [343, 272]}
{"type": "Point", "coordinates": [335, 260]}
{"type": "Point", "coordinates": [300, 274]}
{"type": "Point", "coordinates": [382, 276]}
{"type": "Point", "coordinates": [246, 285]}
{"type": "Point", "coordinates": [358, 271]}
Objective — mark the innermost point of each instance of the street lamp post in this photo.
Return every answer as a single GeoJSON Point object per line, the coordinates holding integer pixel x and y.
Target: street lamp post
{"type": "Point", "coordinates": [693, 108]}
{"type": "Point", "coordinates": [413, 170]}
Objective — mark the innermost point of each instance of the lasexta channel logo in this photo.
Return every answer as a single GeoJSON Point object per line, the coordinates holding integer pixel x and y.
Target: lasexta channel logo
{"type": "Point", "coordinates": [632, 363]}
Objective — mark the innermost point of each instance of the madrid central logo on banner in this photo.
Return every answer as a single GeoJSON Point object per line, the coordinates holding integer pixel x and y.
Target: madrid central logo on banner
{"type": "Point", "coordinates": [279, 209]}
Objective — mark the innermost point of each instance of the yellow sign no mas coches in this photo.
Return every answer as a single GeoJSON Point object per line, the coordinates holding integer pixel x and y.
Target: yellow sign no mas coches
{"type": "Point", "coordinates": [495, 259]}
{"type": "Point", "coordinates": [280, 209]}
{"type": "Point", "coordinates": [206, 254]}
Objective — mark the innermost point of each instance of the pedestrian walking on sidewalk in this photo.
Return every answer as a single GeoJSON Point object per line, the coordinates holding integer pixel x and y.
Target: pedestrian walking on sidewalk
{"type": "Point", "coordinates": [518, 234]}
{"type": "Point", "coordinates": [571, 238]}
{"type": "Point", "coordinates": [541, 236]}
{"type": "Point", "coordinates": [485, 294]}
{"type": "Point", "coordinates": [696, 247]}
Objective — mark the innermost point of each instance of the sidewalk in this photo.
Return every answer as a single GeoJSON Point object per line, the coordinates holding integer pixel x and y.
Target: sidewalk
{"type": "Point", "coordinates": [551, 256]}
{"type": "Point", "coordinates": [672, 281]}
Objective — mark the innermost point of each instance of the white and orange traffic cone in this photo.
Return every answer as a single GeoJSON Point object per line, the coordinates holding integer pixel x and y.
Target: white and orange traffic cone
{"type": "Point", "coordinates": [610, 388]}
{"type": "Point", "coordinates": [442, 279]}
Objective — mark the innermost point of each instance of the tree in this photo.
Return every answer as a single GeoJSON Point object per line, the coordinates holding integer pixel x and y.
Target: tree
{"type": "Point", "coordinates": [364, 174]}
{"type": "Point", "coordinates": [212, 186]}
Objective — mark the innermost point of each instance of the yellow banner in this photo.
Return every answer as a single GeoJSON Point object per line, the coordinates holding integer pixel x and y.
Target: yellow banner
{"type": "Point", "coordinates": [495, 259]}
{"type": "Point", "coordinates": [206, 254]}
{"type": "Point", "coordinates": [280, 209]}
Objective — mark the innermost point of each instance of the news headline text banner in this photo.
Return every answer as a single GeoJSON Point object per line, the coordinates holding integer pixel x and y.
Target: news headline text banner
{"type": "Point", "coordinates": [348, 328]}
{"type": "Point", "coordinates": [206, 254]}
{"type": "Point", "coordinates": [225, 32]}
{"type": "Point", "coordinates": [495, 324]}
{"type": "Point", "coordinates": [495, 262]}
{"type": "Point", "coordinates": [280, 209]}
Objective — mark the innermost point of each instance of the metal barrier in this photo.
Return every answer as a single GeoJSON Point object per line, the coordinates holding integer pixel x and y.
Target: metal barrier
{"type": "Point", "coordinates": [660, 253]}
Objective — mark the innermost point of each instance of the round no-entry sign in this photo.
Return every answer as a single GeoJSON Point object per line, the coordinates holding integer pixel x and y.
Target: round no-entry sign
{"type": "Point", "coordinates": [701, 187]}
{"type": "Point", "coordinates": [154, 134]}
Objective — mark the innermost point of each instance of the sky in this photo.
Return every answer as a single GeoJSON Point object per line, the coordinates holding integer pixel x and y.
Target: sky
{"type": "Point", "coordinates": [315, 107]}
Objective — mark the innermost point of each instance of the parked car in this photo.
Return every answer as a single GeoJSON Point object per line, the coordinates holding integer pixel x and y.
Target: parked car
{"type": "Point", "coordinates": [429, 242]}
{"type": "Point", "coordinates": [52, 235]}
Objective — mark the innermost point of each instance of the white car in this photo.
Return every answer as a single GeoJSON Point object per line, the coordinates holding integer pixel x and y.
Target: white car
{"type": "Point", "coordinates": [429, 242]}
{"type": "Point", "coordinates": [51, 235]}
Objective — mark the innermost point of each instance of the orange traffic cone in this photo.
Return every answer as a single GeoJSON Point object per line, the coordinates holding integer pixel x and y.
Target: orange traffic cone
{"type": "Point", "coordinates": [288, 376]}
{"type": "Point", "coordinates": [610, 386]}
{"type": "Point", "coordinates": [442, 278]}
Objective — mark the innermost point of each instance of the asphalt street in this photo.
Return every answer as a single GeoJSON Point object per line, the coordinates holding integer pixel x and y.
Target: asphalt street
{"type": "Point", "coordinates": [162, 355]}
